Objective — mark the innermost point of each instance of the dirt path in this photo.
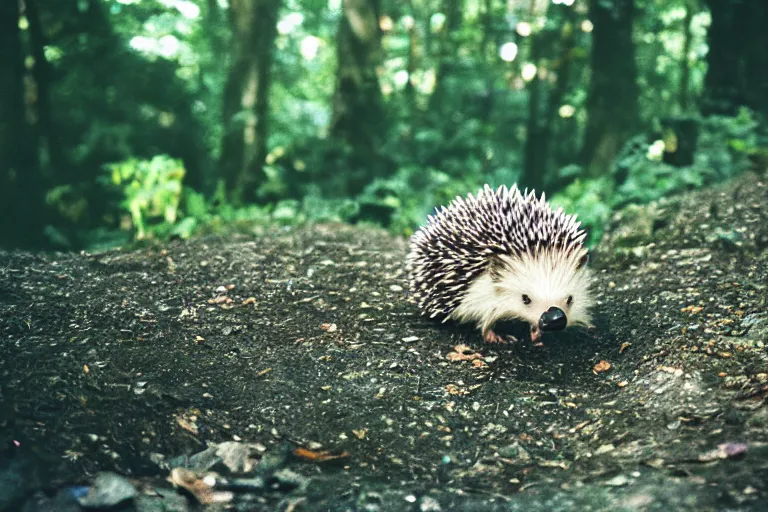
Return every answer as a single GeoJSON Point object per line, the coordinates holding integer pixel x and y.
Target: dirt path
{"type": "Point", "coordinates": [125, 361]}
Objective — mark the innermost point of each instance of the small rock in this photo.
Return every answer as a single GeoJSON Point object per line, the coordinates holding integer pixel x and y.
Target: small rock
{"type": "Point", "coordinates": [236, 456]}
{"type": "Point", "coordinates": [429, 504]}
{"type": "Point", "coordinates": [108, 490]}
{"type": "Point", "coordinates": [606, 448]}
{"type": "Point", "coordinates": [328, 327]}
{"type": "Point", "coordinates": [618, 481]}
{"type": "Point", "coordinates": [514, 451]}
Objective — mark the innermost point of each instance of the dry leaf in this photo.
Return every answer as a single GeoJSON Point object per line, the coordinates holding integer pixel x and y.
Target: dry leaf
{"type": "Point", "coordinates": [724, 451]}
{"type": "Point", "coordinates": [318, 456]}
{"type": "Point", "coordinates": [602, 366]}
{"type": "Point", "coordinates": [198, 487]}
{"type": "Point", "coordinates": [453, 389]}
{"type": "Point", "coordinates": [329, 327]}
{"type": "Point", "coordinates": [463, 353]}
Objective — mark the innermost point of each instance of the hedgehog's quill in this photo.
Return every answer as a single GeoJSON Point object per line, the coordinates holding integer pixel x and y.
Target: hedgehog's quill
{"type": "Point", "coordinates": [502, 255]}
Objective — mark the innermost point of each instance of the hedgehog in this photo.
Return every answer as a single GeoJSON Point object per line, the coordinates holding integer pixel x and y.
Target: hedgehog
{"type": "Point", "coordinates": [502, 255]}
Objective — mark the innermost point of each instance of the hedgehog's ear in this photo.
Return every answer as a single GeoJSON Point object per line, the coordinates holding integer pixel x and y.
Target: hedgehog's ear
{"type": "Point", "coordinates": [496, 267]}
{"type": "Point", "coordinates": [583, 260]}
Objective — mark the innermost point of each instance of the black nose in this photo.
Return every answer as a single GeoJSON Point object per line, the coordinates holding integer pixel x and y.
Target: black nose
{"type": "Point", "coordinates": [553, 319]}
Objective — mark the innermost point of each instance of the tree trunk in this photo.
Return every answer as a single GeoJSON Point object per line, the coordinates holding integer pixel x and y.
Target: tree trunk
{"type": "Point", "coordinates": [737, 74]}
{"type": "Point", "coordinates": [542, 118]}
{"type": "Point", "coordinates": [21, 205]}
{"type": "Point", "coordinates": [11, 93]}
{"type": "Point", "coordinates": [487, 18]}
{"type": "Point", "coordinates": [533, 156]}
{"type": "Point", "coordinates": [612, 109]}
{"type": "Point", "coordinates": [685, 64]}
{"type": "Point", "coordinates": [47, 141]}
{"type": "Point", "coordinates": [409, 90]}
{"type": "Point", "coordinates": [359, 120]}
{"type": "Point", "coordinates": [245, 111]}
{"type": "Point", "coordinates": [680, 138]}
{"type": "Point", "coordinates": [446, 52]}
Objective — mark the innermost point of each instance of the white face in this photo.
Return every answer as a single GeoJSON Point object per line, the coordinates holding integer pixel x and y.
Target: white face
{"type": "Point", "coordinates": [527, 288]}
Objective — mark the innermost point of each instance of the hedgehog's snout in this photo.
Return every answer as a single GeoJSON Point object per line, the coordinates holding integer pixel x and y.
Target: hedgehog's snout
{"type": "Point", "coordinates": [553, 319]}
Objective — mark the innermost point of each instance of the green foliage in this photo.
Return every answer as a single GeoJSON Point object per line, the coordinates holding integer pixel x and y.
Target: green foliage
{"type": "Point", "coordinates": [660, 34]}
{"type": "Point", "coordinates": [151, 191]}
{"type": "Point", "coordinates": [591, 200]}
{"type": "Point", "coordinates": [402, 202]}
{"type": "Point", "coordinates": [134, 79]}
{"type": "Point", "coordinates": [640, 177]}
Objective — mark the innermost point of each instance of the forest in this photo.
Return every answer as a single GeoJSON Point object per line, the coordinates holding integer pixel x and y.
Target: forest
{"type": "Point", "coordinates": [129, 120]}
{"type": "Point", "coordinates": [209, 299]}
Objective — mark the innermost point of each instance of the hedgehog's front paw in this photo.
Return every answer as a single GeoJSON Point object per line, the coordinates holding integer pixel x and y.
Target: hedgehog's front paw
{"type": "Point", "coordinates": [491, 337]}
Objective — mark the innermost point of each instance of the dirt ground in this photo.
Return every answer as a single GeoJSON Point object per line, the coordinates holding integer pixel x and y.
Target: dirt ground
{"type": "Point", "coordinates": [301, 346]}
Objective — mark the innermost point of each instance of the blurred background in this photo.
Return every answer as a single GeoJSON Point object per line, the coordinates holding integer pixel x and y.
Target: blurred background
{"type": "Point", "coordinates": [124, 121]}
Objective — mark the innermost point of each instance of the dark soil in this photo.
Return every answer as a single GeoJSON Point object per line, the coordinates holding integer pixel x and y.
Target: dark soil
{"type": "Point", "coordinates": [290, 338]}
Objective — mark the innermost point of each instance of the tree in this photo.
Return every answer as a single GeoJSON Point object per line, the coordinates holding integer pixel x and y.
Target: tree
{"type": "Point", "coordinates": [737, 74]}
{"type": "Point", "coordinates": [11, 94]}
{"type": "Point", "coordinates": [446, 51]}
{"type": "Point", "coordinates": [558, 40]}
{"type": "Point", "coordinates": [359, 120]}
{"type": "Point", "coordinates": [46, 135]}
{"type": "Point", "coordinates": [245, 111]}
{"type": "Point", "coordinates": [691, 8]}
{"type": "Point", "coordinates": [20, 190]}
{"type": "Point", "coordinates": [534, 159]}
{"type": "Point", "coordinates": [612, 107]}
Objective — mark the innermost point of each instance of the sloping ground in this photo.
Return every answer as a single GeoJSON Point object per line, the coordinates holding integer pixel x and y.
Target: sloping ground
{"type": "Point", "coordinates": [305, 339]}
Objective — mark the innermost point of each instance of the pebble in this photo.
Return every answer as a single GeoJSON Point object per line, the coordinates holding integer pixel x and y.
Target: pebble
{"type": "Point", "coordinates": [108, 490]}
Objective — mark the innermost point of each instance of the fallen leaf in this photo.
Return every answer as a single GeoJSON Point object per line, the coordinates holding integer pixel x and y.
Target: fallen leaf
{"type": "Point", "coordinates": [724, 451]}
{"type": "Point", "coordinates": [318, 456]}
{"type": "Point", "coordinates": [188, 423]}
{"type": "Point", "coordinates": [453, 389]}
{"type": "Point", "coordinates": [463, 353]}
{"type": "Point", "coordinates": [329, 327]}
{"type": "Point", "coordinates": [200, 488]}
{"type": "Point", "coordinates": [602, 366]}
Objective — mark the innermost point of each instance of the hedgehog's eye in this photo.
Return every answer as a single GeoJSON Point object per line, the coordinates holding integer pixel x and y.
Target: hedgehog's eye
{"type": "Point", "coordinates": [526, 299]}
{"type": "Point", "coordinates": [570, 300]}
